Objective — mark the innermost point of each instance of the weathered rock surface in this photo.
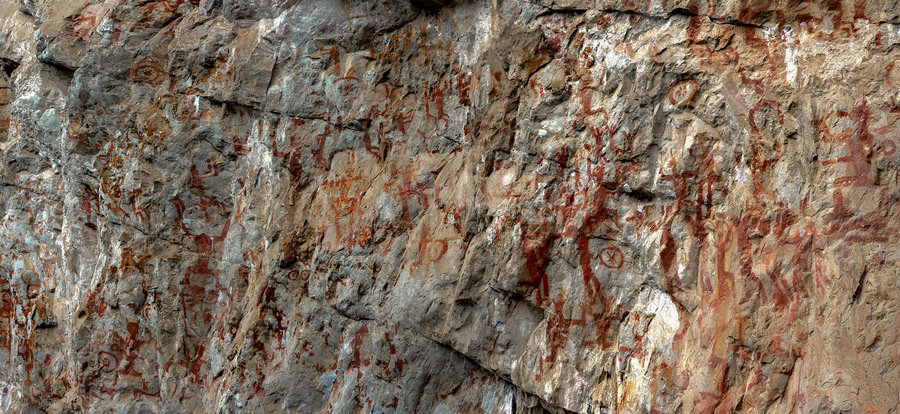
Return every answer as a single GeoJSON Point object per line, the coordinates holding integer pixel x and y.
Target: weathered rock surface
{"type": "Point", "coordinates": [437, 206]}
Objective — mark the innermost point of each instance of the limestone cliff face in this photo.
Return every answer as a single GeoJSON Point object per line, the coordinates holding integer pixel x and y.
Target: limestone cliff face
{"type": "Point", "coordinates": [449, 206]}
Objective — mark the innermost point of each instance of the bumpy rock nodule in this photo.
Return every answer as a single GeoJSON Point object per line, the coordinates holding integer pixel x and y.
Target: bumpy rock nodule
{"type": "Point", "coordinates": [436, 206]}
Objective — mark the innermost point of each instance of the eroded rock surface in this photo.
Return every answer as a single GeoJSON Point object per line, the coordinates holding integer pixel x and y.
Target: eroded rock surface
{"type": "Point", "coordinates": [449, 206]}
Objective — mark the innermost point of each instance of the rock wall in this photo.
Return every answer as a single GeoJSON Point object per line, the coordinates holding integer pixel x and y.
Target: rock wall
{"type": "Point", "coordinates": [449, 206]}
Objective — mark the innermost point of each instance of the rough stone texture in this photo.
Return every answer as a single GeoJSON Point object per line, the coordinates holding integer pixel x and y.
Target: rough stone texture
{"type": "Point", "coordinates": [438, 206]}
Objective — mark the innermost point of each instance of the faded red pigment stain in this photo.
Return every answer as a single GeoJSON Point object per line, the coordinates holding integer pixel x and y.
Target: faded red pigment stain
{"type": "Point", "coordinates": [431, 249]}
{"type": "Point", "coordinates": [681, 93]}
{"type": "Point", "coordinates": [536, 247]}
{"type": "Point", "coordinates": [84, 24]}
{"type": "Point", "coordinates": [858, 142]}
{"type": "Point", "coordinates": [599, 313]}
{"type": "Point", "coordinates": [557, 334]}
{"type": "Point", "coordinates": [892, 74]}
{"type": "Point", "coordinates": [407, 188]}
{"type": "Point", "coordinates": [695, 189]}
{"type": "Point", "coordinates": [586, 94]}
{"type": "Point", "coordinates": [123, 360]}
{"type": "Point", "coordinates": [611, 257]}
{"type": "Point", "coordinates": [793, 236]}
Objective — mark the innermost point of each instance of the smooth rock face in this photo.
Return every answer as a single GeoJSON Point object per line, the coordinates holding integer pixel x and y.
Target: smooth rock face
{"type": "Point", "coordinates": [435, 206]}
